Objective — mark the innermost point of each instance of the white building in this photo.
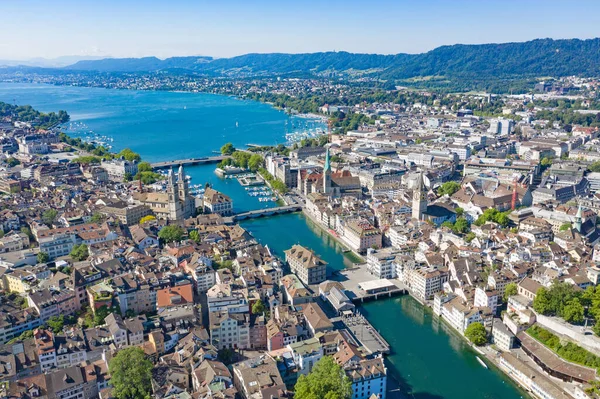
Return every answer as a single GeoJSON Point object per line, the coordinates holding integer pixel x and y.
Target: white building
{"type": "Point", "coordinates": [381, 263]}
{"type": "Point", "coordinates": [306, 354]}
{"type": "Point", "coordinates": [117, 169]}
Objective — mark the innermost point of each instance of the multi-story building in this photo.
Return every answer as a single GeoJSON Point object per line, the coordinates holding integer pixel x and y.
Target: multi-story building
{"type": "Point", "coordinates": [257, 377]}
{"type": "Point", "coordinates": [117, 169]}
{"type": "Point", "coordinates": [16, 320]}
{"type": "Point", "coordinates": [125, 333]}
{"type": "Point", "coordinates": [503, 338]}
{"type": "Point", "coordinates": [360, 234]}
{"type": "Point", "coordinates": [306, 354]}
{"type": "Point", "coordinates": [489, 298]}
{"type": "Point", "coordinates": [217, 202]}
{"type": "Point", "coordinates": [229, 330]}
{"type": "Point", "coordinates": [51, 303]}
{"type": "Point", "coordinates": [128, 214]}
{"type": "Point", "coordinates": [44, 342]}
{"type": "Point", "coordinates": [368, 377]}
{"type": "Point", "coordinates": [309, 268]}
{"type": "Point", "coordinates": [425, 282]}
{"type": "Point", "coordinates": [221, 297]}
{"type": "Point", "coordinates": [60, 242]}
{"type": "Point", "coordinates": [381, 263]}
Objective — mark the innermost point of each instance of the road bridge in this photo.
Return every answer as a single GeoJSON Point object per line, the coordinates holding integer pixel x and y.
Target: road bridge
{"type": "Point", "coordinates": [262, 212]}
{"type": "Point", "coordinates": [189, 162]}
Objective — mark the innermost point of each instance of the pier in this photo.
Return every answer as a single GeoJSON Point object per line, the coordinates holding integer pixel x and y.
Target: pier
{"type": "Point", "coordinates": [368, 337]}
{"type": "Point", "coordinates": [262, 212]}
{"type": "Point", "coordinates": [189, 162]}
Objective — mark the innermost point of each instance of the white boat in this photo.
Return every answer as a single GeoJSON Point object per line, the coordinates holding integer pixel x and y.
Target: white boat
{"type": "Point", "coordinates": [481, 362]}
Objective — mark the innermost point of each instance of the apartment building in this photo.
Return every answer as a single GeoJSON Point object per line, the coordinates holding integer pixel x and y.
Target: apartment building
{"type": "Point", "coordinates": [309, 268]}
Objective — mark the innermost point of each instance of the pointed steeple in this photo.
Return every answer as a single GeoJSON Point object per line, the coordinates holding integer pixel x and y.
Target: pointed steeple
{"type": "Point", "coordinates": [578, 219]}
{"type": "Point", "coordinates": [327, 167]}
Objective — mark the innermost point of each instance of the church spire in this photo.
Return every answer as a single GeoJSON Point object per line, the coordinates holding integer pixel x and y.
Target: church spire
{"type": "Point", "coordinates": [578, 219]}
{"type": "Point", "coordinates": [327, 161]}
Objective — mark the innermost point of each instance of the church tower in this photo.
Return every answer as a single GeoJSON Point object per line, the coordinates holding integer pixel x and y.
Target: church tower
{"type": "Point", "coordinates": [182, 184]}
{"type": "Point", "coordinates": [419, 202]}
{"type": "Point", "coordinates": [173, 195]}
{"type": "Point", "coordinates": [578, 219]}
{"type": "Point", "coordinates": [327, 174]}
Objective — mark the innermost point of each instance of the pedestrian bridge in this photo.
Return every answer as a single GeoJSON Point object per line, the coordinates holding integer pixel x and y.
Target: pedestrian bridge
{"type": "Point", "coordinates": [263, 212]}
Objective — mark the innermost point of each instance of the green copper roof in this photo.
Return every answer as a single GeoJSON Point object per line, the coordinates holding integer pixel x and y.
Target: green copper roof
{"type": "Point", "coordinates": [327, 165]}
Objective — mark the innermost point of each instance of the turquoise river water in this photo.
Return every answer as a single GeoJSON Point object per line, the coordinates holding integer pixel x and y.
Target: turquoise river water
{"type": "Point", "coordinates": [429, 361]}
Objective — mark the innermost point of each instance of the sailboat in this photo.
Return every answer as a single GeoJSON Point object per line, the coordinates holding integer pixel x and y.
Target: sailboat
{"type": "Point", "coordinates": [237, 124]}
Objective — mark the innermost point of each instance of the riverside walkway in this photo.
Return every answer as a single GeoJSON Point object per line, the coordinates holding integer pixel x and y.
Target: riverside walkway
{"type": "Point", "coordinates": [189, 161]}
{"type": "Point", "coordinates": [262, 212]}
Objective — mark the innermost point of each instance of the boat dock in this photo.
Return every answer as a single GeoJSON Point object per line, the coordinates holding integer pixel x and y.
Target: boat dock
{"type": "Point", "coordinates": [189, 161]}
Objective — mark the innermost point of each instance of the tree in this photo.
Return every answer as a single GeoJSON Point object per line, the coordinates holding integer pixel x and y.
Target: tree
{"type": "Point", "coordinates": [100, 314]}
{"type": "Point", "coordinates": [227, 149]}
{"type": "Point", "coordinates": [12, 161]}
{"type": "Point", "coordinates": [42, 257]}
{"type": "Point", "coordinates": [27, 232]}
{"type": "Point", "coordinates": [448, 188]}
{"type": "Point", "coordinates": [97, 217]}
{"type": "Point", "coordinates": [595, 167]}
{"type": "Point", "coordinates": [573, 311]}
{"type": "Point", "coordinates": [470, 237]}
{"type": "Point", "coordinates": [49, 216]}
{"type": "Point", "coordinates": [127, 177]}
{"type": "Point", "coordinates": [56, 323]}
{"type": "Point", "coordinates": [171, 233]}
{"type": "Point", "coordinates": [510, 290]}
{"type": "Point", "coordinates": [147, 218]}
{"type": "Point", "coordinates": [258, 307]}
{"type": "Point", "coordinates": [195, 236]}
{"type": "Point", "coordinates": [131, 374]}
{"type": "Point", "coordinates": [546, 162]}
{"type": "Point", "coordinates": [459, 211]}
{"type": "Point", "coordinates": [255, 162]}
{"type": "Point", "coordinates": [476, 333]}
{"type": "Point", "coordinates": [79, 252]}
{"type": "Point", "coordinates": [144, 167]}
{"type": "Point", "coordinates": [129, 155]}
{"type": "Point", "coordinates": [461, 226]}
{"type": "Point", "coordinates": [565, 226]}
{"type": "Point", "coordinates": [541, 302]}
{"type": "Point", "coordinates": [327, 380]}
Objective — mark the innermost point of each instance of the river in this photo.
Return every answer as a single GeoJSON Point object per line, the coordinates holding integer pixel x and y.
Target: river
{"type": "Point", "coordinates": [429, 361]}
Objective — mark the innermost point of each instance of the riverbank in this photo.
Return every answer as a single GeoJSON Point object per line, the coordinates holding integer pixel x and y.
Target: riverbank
{"type": "Point", "coordinates": [345, 245]}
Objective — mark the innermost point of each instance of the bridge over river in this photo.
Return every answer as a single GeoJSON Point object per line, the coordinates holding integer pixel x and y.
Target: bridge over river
{"type": "Point", "coordinates": [262, 212]}
{"type": "Point", "coordinates": [188, 161]}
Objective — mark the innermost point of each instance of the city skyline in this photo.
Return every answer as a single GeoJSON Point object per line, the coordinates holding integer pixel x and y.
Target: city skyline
{"type": "Point", "coordinates": [183, 28]}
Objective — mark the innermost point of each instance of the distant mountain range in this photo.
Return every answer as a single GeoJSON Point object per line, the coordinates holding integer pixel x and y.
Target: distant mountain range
{"type": "Point", "coordinates": [541, 57]}
{"type": "Point", "coordinates": [57, 62]}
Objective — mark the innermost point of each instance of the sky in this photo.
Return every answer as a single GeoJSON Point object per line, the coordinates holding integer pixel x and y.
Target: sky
{"type": "Point", "coordinates": [225, 28]}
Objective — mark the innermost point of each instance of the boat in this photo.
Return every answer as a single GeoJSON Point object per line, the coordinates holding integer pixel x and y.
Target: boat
{"type": "Point", "coordinates": [481, 362]}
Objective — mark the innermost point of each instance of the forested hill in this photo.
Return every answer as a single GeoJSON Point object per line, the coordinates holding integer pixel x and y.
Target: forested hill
{"type": "Point", "coordinates": [542, 57]}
